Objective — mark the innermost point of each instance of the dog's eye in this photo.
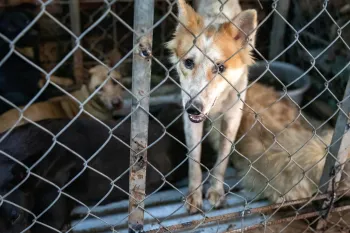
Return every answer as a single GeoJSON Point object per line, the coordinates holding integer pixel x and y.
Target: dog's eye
{"type": "Point", "coordinates": [14, 216]}
{"type": "Point", "coordinates": [189, 64]}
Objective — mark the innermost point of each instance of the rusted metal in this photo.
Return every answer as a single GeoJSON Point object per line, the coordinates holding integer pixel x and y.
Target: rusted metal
{"type": "Point", "coordinates": [341, 149]}
{"type": "Point", "coordinates": [141, 79]}
{"type": "Point", "coordinates": [226, 217]}
{"type": "Point", "coordinates": [288, 219]}
{"type": "Point", "coordinates": [78, 67]}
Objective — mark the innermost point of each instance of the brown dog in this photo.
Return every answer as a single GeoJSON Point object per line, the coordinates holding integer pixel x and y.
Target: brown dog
{"type": "Point", "coordinates": [101, 106]}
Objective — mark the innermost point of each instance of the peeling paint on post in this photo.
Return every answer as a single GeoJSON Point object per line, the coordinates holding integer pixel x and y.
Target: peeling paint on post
{"type": "Point", "coordinates": [340, 147]}
{"type": "Point", "coordinates": [141, 78]}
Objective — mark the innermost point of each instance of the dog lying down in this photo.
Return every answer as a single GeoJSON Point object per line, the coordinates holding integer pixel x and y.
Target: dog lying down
{"type": "Point", "coordinates": [288, 170]}
{"type": "Point", "coordinates": [101, 106]}
{"type": "Point", "coordinates": [28, 144]}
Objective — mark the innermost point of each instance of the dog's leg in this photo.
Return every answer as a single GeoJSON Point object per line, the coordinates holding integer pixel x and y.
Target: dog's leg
{"type": "Point", "coordinates": [193, 133]}
{"type": "Point", "coordinates": [229, 127]}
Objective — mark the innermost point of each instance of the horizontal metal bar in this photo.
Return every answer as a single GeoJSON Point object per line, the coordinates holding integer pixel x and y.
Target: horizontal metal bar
{"type": "Point", "coordinates": [234, 215]}
{"type": "Point", "coordinates": [289, 219]}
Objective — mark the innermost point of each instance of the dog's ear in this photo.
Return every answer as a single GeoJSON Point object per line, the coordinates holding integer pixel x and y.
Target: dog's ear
{"type": "Point", "coordinates": [93, 70]}
{"type": "Point", "coordinates": [188, 16]}
{"type": "Point", "coordinates": [113, 57]}
{"type": "Point", "coordinates": [245, 24]}
{"type": "Point", "coordinates": [116, 75]}
{"type": "Point", "coordinates": [87, 75]}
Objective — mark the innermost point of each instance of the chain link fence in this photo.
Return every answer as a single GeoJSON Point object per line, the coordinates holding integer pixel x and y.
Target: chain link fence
{"type": "Point", "coordinates": [108, 152]}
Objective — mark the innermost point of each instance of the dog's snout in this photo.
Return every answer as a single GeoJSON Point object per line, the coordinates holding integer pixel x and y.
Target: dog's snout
{"type": "Point", "coordinates": [194, 108]}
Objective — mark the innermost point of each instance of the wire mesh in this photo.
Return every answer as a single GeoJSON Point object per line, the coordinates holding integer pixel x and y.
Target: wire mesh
{"type": "Point", "coordinates": [123, 77]}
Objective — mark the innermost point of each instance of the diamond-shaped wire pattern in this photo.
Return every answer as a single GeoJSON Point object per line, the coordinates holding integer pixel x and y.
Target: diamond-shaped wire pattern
{"type": "Point", "coordinates": [116, 151]}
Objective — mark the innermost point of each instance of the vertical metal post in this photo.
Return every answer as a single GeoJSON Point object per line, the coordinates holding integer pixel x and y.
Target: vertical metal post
{"type": "Point", "coordinates": [115, 30]}
{"type": "Point", "coordinates": [78, 69]}
{"type": "Point", "coordinates": [278, 28]}
{"type": "Point", "coordinates": [341, 149]}
{"type": "Point", "coordinates": [141, 78]}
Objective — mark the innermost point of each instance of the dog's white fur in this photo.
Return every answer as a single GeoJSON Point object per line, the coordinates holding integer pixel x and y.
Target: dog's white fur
{"type": "Point", "coordinates": [283, 159]}
{"type": "Point", "coordinates": [210, 9]}
{"type": "Point", "coordinates": [222, 99]}
{"type": "Point", "coordinates": [277, 153]}
{"type": "Point", "coordinates": [279, 156]}
{"type": "Point", "coordinates": [287, 170]}
{"type": "Point", "coordinates": [277, 172]}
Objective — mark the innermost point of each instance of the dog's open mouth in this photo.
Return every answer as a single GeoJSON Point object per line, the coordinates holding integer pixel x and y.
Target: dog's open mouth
{"type": "Point", "coordinates": [196, 118]}
{"type": "Point", "coordinates": [118, 105]}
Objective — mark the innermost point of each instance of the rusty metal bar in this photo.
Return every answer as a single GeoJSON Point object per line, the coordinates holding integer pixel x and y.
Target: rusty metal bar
{"type": "Point", "coordinates": [230, 216]}
{"type": "Point", "coordinates": [288, 219]}
{"type": "Point", "coordinates": [141, 79]}
{"type": "Point", "coordinates": [341, 149]}
{"type": "Point", "coordinates": [78, 68]}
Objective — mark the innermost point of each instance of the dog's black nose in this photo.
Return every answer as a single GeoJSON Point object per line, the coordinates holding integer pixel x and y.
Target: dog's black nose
{"type": "Point", "coordinates": [194, 108]}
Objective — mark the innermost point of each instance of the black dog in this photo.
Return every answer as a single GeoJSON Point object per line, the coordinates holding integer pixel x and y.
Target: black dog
{"type": "Point", "coordinates": [75, 171]}
{"type": "Point", "coordinates": [18, 79]}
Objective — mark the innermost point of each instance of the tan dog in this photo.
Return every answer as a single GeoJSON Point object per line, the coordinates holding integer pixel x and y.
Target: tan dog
{"type": "Point", "coordinates": [268, 169]}
{"type": "Point", "coordinates": [101, 106]}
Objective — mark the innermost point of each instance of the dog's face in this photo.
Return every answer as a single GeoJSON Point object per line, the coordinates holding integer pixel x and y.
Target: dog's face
{"type": "Point", "coordinates": [219, 57]}
{"type": "Point", "coordinates": [110, 93]}
{"type": "Point", "coordinates": [12, 218]}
